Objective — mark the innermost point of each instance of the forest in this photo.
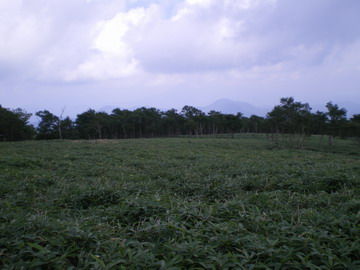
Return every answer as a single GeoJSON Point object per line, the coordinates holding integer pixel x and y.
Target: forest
{"type": "Point", "coordinates": [289, 117]}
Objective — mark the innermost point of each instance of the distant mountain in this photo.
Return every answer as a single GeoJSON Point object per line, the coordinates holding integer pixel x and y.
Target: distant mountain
{"type": "Point", "coordinates": [233, 107]}
{"type": "Point", "coordinates": [107, 109]}
{"type": "Point", "coordinates": [221, 105]}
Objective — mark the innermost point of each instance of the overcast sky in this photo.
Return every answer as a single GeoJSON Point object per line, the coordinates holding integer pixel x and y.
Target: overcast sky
{"type": "Point", "coordinates": [167, 53]}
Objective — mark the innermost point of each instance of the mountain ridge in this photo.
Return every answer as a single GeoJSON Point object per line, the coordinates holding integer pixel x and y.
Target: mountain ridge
{"type": "Point", "coordinates": [223, 105]}
{"type": "Point", "coordinates": [229, 106]}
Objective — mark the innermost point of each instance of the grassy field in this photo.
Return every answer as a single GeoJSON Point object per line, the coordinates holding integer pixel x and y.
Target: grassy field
{"type": "Point", "coordinates": [179, 203]}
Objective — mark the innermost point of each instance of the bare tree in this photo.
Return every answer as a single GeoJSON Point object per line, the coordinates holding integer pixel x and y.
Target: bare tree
{"type": "Point", "coordinates": [59, 123]}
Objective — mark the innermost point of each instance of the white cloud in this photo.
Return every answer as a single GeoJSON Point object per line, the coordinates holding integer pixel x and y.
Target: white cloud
{"type": "Point", "coordinates": [19, 32]}
{"type": "Point", "coordinates": [45, 40]}
{"type": "Point", "coordinates": [168, 46]}
{"type": "Point", "coordinates": [202, 3]}
{"type": "Point", "coordinates": [112, 32]}
{"type": "Point", "coordinates": [247, 4]}
{"type": "Point", "coordinates": [112, 57]}
{"type": "Point", "coordinates": [200, 36]}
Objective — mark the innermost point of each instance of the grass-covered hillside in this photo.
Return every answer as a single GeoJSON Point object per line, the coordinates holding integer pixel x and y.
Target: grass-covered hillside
{"type": "Point", "coordinates": [179, 203]}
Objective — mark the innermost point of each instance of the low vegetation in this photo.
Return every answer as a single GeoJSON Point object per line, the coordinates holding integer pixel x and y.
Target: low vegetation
{"type": "Point", "coordinates": [179, 203]}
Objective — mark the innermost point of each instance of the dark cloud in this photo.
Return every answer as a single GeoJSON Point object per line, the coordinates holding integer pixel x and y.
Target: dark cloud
{"type": "Point", "coordinates": [298, 32]}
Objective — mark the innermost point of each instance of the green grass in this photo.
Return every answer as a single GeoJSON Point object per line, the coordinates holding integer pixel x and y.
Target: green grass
{"type": "Point", "coordinates": [179, 203]}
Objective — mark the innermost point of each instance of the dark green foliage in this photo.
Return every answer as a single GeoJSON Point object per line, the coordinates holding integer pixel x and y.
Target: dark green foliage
{"type": "Point", "coordinates": [54, 127]}
{"type": "Point", "coordinates": [90, 125]}
{"type": "Point", "coordinates": [180, 203]}
{"type": "Point", "coordinates": [14, 125]}
{"type": "Point", "coordinates": [354, 127]}
{"type": "Point", "coordinates": [68, 129]}
{"type": "Point", "coordinates": [49, 125]}
{"type": "Point", "coordinates": [336, 120]}
{"type": "Point", "coordinates": [290, 116]}
{"type": "Point", "coordinates": [287, 125]}
{"type": "Point", "coordinates": [84, 199]}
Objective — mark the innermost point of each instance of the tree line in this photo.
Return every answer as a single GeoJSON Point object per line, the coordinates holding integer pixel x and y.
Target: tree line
{"type": "Point", "coordinates": [290, 117]}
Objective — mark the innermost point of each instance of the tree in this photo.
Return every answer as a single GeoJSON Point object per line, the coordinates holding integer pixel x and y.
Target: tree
{"type": "Point", "coordinates": [289, 122]}
{"type": "Point", "coordinates": [233, 123]}
{"type": "Point", "coordinates": [173, 122]}
{"type": "Point", "coordinates": [48, 127]}
{"type": "Point", "coordinates": [122, 123]}
{"type": "Point", "coordinates": [291, 117]}
{"type": "Point", "coordinates": [355, 126]}
{"type": "Point", "coordinates": [195, 119]}
{"type": "Point", "coordinates": [59, 124]}
{"type": "Point", "coordinates": [216, 122]}
{"type": "Point", "coordinates": [90, 124]}
{"type": "Point", "coordinates": [68, 129]}
{"type": "Point", "coordinates": [336, 120]}
{"type": "Point", "coordinates": [318, 124]}
{"type": "Point", "coordinates": [257, 123]}
{"type": "Point", "coordinates": [14, 125]}
{"type": "Point", "coordinates": [147, 121]}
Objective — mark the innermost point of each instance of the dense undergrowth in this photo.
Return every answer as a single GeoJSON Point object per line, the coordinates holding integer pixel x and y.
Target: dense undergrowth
{"type": "Point", "coordinates": [180, 203]}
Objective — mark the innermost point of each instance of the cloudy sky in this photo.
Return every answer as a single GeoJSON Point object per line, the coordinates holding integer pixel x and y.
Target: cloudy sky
{"type": "Point", "coordinates": [167, 53]}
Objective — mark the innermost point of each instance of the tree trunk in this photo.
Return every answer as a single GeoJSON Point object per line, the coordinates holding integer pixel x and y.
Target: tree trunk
{"type": "Point", "coordinates": [331, 140]}
{"type": "Point", "coordinates": [99, 132]}
{"type": "Point", "coordinates": [59, 128]}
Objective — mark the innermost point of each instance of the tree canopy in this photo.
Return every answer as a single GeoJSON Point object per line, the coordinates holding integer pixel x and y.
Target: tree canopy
{"type": "Point", "coordinates": [288, 117]}
{"type": "Point", "coordinates": [14, 125]}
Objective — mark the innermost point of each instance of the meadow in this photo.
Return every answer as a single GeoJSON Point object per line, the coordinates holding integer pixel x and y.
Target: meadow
{"type": "Point", "coordinates": [179, 203]}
